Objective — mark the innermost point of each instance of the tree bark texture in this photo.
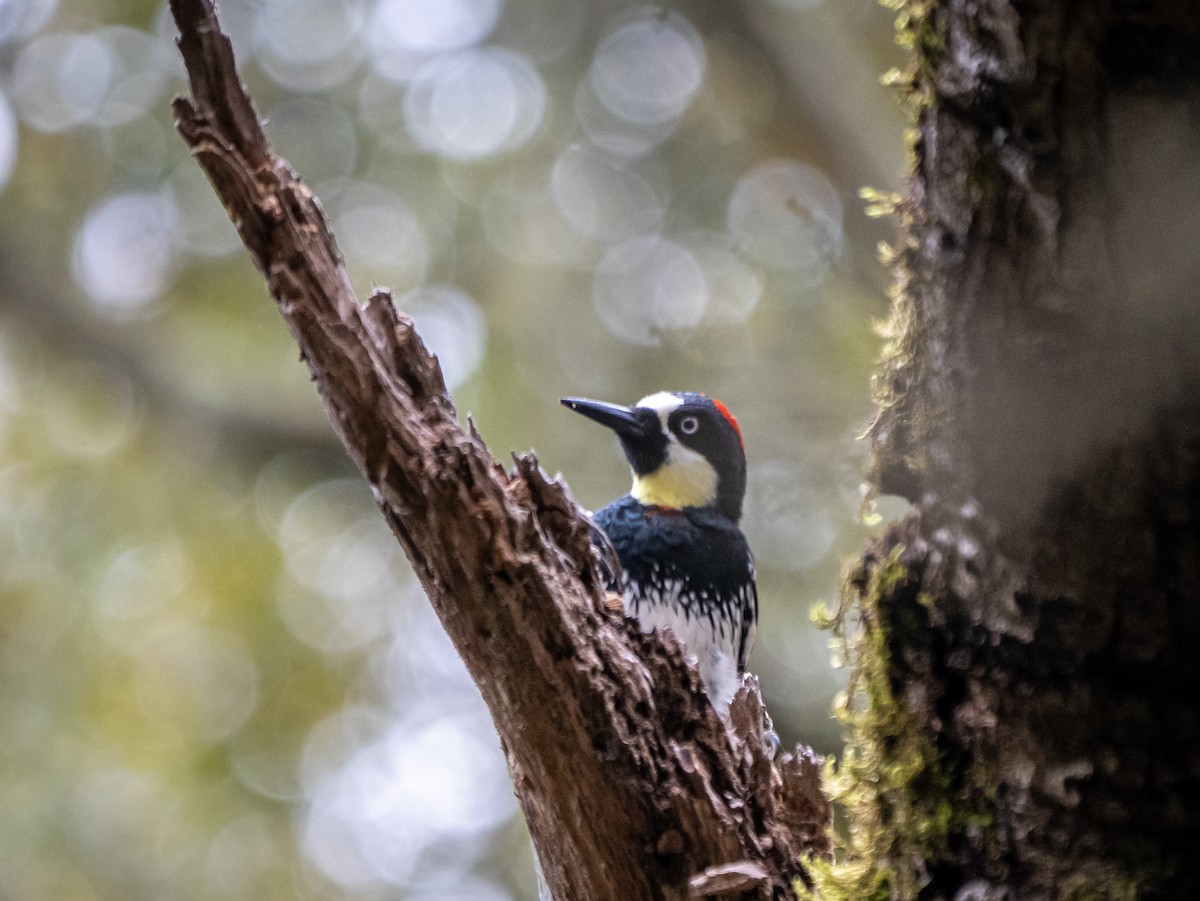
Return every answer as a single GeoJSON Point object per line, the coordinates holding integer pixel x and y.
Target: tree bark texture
{"type": "Point", "coordinates": [631, 785]}
{"type": "Point", "coordinates": [1026, 717]}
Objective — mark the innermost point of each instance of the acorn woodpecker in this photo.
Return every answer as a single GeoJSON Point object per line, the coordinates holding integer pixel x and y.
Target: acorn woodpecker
{"type": "Point", "coordinates": [685, 563]}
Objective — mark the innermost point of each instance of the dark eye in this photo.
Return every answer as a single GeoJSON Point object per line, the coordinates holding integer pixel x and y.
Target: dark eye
{"type": "Point", "coordinates": [689, 425]}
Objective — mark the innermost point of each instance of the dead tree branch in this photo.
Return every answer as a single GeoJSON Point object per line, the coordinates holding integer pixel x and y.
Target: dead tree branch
{"type": "Point", "coordinates": [631, 785]}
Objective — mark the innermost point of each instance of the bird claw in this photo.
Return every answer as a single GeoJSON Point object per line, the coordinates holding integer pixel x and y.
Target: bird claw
{"type": "Point", "coordinates": [771, 740]}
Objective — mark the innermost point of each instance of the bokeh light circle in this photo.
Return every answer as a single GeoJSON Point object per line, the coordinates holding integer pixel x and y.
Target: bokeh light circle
{"type": "Point", "coordinates": [61, 80]}
{"type": "Point", "coordinates": [139, 580]}
{"type": "Point", "coordinates": [787, 215]}
{"type": "Point", "coordinates": [649, 68]}
{"type": "Point", "coordinates": [198, 681]}
{"type": "Point", "coordinates": [647, 286]}
{"type": "Point", "coordinates": [474, 103]}
{"type": "Point", "coordinates": [136, 80]}
{"type": "Point", "coordinates": [604, 198]}
{"type": "Point", "coordinates": [308, 45]}
{"type": "Point", "coordinates": [382, 237]}
{"type": "Point", "coordinates": [339, 557]}
{"type": "Point", "coordinates": [424, 781]}
{"type": "Point", "coordinates": [615, 135]}
{"type": "Point", "coordinates": [20, 19]}
{"type": "Point", "coordinates": [125, 251]}
{"type": "Point", "coordinates": [735, 286]}
{"type": "Point", "coordinates": [106, 77]}
{"type": "Point", "coordinates": [423, 27]}
{"type": "Point", "coordinates": [328, 527]}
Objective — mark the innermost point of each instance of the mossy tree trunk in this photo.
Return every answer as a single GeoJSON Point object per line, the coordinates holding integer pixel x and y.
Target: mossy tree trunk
{"type": "Point", "coordinates": [1026, 704]}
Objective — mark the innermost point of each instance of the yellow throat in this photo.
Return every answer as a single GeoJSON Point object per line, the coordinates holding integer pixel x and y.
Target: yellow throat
{"type": "Point", "coordinates": [685, 480]}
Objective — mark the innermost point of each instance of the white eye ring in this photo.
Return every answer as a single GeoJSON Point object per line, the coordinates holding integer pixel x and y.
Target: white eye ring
{"type": "Point", "coordinates": [689, 425]}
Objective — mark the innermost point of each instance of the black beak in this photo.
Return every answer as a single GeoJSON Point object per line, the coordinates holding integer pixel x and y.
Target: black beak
{"type": "Point", "coordinates": [622, 420]}
{"type": "Point", "coordinates": [642, 439]}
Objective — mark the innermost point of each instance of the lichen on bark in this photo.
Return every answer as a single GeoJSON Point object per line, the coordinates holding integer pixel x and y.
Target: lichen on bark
{"type": "Point", "coordinates": [1022, 715]}
{"type": "Point", "coordinates": [911, 795]}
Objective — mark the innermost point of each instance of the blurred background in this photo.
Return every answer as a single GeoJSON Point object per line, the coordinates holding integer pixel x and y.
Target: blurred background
{"type": "Point", "coordinates": [218, 676]}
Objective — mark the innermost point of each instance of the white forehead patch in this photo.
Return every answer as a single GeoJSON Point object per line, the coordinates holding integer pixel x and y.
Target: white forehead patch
{"type": "Point", "coordinates": [664, 403]}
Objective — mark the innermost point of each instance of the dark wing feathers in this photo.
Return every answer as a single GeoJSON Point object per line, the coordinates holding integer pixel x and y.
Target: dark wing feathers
{"type": "Point", "coordinates": [696, 546]}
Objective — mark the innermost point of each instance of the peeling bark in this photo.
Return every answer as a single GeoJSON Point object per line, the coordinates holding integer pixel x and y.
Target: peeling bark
{"type": "Point", "coordinates": [632, 787]}
{"type": "Point", "coordinates": [1028, 646]}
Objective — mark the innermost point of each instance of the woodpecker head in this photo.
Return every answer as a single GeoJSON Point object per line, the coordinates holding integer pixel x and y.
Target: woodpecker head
{"type": "Point", "coordinates": [685, 449]}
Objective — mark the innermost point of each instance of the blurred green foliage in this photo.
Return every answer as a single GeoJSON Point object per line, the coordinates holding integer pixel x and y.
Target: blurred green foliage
{"type": "Point", "coordinates": [218, 676]}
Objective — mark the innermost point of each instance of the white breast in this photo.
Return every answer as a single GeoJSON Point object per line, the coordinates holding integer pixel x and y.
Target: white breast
{"type": "Point", "coordinates": [713, 651]}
